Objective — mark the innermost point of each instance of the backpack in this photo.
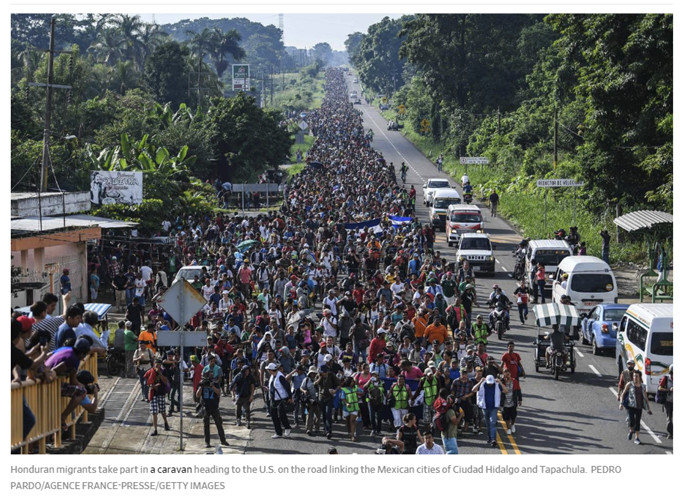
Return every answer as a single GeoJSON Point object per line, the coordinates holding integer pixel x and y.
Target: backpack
{"type": "Point", "coordinates": [375, 397]}
{"type": "Point", "coordinates": [440, 420]}
{"type": "Point", "coordinates": [661, 396]}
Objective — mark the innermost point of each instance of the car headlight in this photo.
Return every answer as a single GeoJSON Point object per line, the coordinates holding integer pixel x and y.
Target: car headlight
{"type": "Point", "coordinates": [460, 258]}
{"type": "Point", "coordinates": [491, 258]}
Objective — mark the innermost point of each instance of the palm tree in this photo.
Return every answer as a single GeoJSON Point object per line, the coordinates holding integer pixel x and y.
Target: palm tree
{"type": "Point", "coordinates": [125, 76]}
{"type": "Point", "coordinates": [130, 28]}
{"type": "Point", "coordinates": [224, 44]}
{"type": "Point", "coordinates": [108, 47]}
{"type": "Point", "coordinates": [150, 36]}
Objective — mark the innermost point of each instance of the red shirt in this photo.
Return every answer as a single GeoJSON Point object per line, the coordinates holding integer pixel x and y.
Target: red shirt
{"type": "Point", "coordinates": [198, 372]}
{"type": "Point", "coordinates": [511, 361]}
{"type": "Point", "coordinates": [377, 346]}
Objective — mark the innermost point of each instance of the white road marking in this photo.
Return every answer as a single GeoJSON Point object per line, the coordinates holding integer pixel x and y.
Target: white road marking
{"type": "Point", "coordinates": [395, 148]}
{"type": "Point", "coordinates": [578, 352]}
{"type": "Point", "coordinates": [504, 268]}
{"type": "Point", "coordinates": [614, 391]}
{"type": "Point", "coordinates": [595, 370]}
{"type": "Point", "coordinates": [651, 432]}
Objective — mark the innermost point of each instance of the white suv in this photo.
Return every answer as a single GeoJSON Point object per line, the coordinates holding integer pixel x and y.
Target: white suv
{"type": "Point", "coordinates": [477, 249]}
{"type": "Point", "coordinates": [431, 186]}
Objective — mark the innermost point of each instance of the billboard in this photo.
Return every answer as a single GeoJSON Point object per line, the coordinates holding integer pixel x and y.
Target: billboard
{"type": "Point", "coordinates": [240, 77]}
{"type": "Point", "coordinates": [108, 187]}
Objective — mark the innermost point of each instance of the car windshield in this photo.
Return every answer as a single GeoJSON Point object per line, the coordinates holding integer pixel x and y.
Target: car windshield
{"type": "Point", "coordinates": [614, 314]}
{"type": "Point", "coordinates": [467, 217]}
{"type": "Point", "coordinates": [475, 244]}
{"type": "Point", "coordinates": [662, 344]}
{"type": "Point", "coordinates": [550, 257]}
{"type": "Point", "coordinates": [445, 202]}
{"type": "Point", "coordinates": [439, 184]}
{"type": "Point", "coordinates": [592, 283]}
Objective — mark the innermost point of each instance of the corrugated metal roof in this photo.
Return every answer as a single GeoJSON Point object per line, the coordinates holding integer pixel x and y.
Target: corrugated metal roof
{"type": "Point", "coordinates": [32, 224]}
{"type": "Point", "coordinates": [642, 219]}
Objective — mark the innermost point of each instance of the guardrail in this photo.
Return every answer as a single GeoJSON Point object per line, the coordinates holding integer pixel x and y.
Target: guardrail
{"type": "Point", "coordinates": [46, 403]}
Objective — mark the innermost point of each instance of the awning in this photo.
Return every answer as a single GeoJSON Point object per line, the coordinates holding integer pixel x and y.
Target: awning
{"type": "Point", "coordinates": [642, 219]}
{"type": "Point", "coordinates": [556, 313]}
{"type": "Point", "coordinates": [101, 309]}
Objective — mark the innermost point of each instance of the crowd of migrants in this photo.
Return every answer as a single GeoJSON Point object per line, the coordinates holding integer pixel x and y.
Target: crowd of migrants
{"type": "Point", "coordinates": [366, 331]}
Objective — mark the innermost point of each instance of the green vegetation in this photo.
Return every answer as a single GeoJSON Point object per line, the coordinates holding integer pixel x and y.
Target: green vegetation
{"type": "Point", "coordinates": [499, 85]}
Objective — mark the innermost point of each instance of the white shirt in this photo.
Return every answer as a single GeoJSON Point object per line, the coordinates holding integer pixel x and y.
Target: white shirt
{"type": "Point", "coordinates": [465, 179]}
{"type": "Point", "coordinates": [424, 450]}
{"type": "Point", "coordinates": [140, 284]}
{"type": "Point", "coordinates": [84, 329]}
{"type": "Point", "coordinates": [397, 288]}
{"type": "Point", "coordinates": [328, 329]}
{"type": "Point", "coordinates": [332, 304]}
{"type": "Point", "coordinates": [146, 271]}
{"type": "Point", "coordinates": [275, 385]}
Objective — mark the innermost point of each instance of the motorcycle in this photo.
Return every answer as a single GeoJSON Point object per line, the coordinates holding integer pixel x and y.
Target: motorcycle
{"type": "Point", "coordinates": [115, 362]}
{"type": "Point", "coordinates": [520, 264]}
{"type": "Point", "coordinates": [467, 198]}
{"type": "Point", "coordinates": [500, 320]}
{"type": "Point", "coordinates": [559, 362]}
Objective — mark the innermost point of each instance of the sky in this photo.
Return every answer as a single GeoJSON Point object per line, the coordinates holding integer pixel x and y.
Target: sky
{"type": "Point", "coordinates": [299, 30]}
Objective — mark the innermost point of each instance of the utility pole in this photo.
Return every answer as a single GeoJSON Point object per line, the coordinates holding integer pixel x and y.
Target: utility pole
{"type": "Point", "coordinates": [555, 141]}
{"type": "Point", "coordinates": [48, 106]}
{"type": "Point", "coordinates": [499, 121]}
{"type": "Point", "coordinates": [48, 111]}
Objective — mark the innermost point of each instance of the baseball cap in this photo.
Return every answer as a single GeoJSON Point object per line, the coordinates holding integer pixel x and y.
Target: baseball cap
{"type": "Point", "coordinates": [272, 366]}
{"type": "Point", "coordinates": [428, 371]}
{"type": "Point", "coordinates": [381, 331]}
{"type": "Point", "coordinates": [490, 379]}
{"type": "Point", "coordinates": [26, 322]}
{"type": "Point", "coordinates": [327, 358]}
{"type": "Point", "coordinates": [313, 370]}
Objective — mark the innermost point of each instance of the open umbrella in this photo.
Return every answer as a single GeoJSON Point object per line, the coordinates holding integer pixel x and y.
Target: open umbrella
{"type": "Point", "coordinates": [246, 245]}
{"type": "Point", "coordinates": [556, 313]}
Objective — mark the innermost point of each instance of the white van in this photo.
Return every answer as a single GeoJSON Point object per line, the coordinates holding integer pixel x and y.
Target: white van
{"type": "Point", "coordinates": [441, 200]}
{"type": "Point", "coordinates": [646, 336]}
{"type": "Point", "coordinates": [461, 219]}
{"type": "Point", "coordinates": [549, 252]}
{"type": "Point", "coordinates": [590, 281]}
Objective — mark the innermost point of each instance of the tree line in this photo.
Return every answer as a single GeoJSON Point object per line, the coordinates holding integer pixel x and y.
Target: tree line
{"type": "Point", "coordinates": [564, 95]}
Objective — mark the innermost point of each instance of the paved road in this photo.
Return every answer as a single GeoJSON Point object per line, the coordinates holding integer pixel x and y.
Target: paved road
{"type": "Point", "coordinates": [577, 414]}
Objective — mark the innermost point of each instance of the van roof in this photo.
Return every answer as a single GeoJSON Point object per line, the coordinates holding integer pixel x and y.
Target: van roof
{"type": "Point", "coordinates": [549, 243]}
{"type": "Point", "coordinates": [583, 263]}
{"type": "Point", "coordinates": [648, 311]}
{"type": "Point", "coordinates": [446, 193]}
{"type": "Point", "coordinates": [465, 208]}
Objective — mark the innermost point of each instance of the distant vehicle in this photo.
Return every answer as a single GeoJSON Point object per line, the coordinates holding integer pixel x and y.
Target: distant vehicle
{"type": "Point", "coordinates": [477, 249]}
{"type": "Point", "coordinates": [441, 200]}
{"type": "Point", "coordinates": [601, 325]}
{"type": "Point", "coordinates": [430, 186]}
{"type": "Point", "coordinates": [646, 336]}
{"type": "Point", "coordinates": [189, 271]}
{"type": "Point", "coordinates": [461, 219]}
{"type": "Point", "coordinates": [549, 252]}
{"type": "Point", "coordinates": [352, 94]}
{"type": "Point", "coordinates": [355, 80]}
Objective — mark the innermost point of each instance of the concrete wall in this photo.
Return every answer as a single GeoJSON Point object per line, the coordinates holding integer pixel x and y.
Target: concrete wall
{"type": "Point", "coordinates": [26, 204]}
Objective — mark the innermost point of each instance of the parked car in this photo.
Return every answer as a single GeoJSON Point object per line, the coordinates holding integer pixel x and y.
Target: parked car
{"type": "Point", "coordinates": [600, 326]}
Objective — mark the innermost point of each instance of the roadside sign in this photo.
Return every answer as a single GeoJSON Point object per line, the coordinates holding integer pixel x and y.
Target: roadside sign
{"type": "Point", "coordinates": [474, 160]}
{"type": "Point", "coordinates": [557, 183]}
{"type": "Point", "coordinates": [385, 100]}
{"type": "Point", "coordinates": [303, 125]}
{"type": "Point", "coordinates": [424, 126]}
{"type": "Point", "coordinates": [181, 301]}
{"type": "Point", "coordinates": [401, 109]}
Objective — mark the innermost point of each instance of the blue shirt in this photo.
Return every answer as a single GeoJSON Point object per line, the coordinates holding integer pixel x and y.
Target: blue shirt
{"type": "Point", "coordinates": [490, 396]}
{"type": "Point", "coordinates": [63, 333]}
